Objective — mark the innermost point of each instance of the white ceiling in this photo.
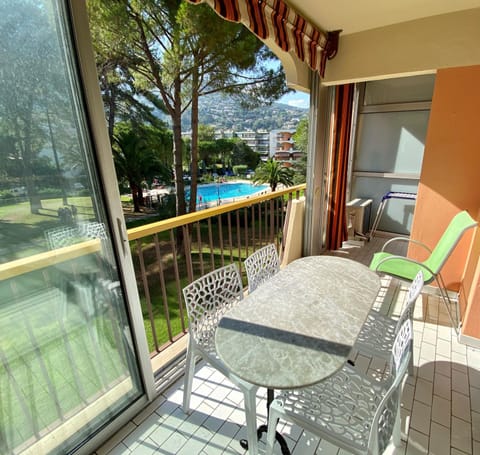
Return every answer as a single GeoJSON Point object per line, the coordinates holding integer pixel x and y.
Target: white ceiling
{"type": "Point", "coordinates": [353, 16]}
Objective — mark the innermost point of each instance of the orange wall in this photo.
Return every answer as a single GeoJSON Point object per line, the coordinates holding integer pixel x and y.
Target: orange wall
{"type": "Point", "coordinates": [450, 182]}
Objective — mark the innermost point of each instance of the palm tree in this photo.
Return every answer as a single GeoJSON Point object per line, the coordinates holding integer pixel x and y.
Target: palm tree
{"type": "Point", "coordinates": [137, 157]}
{"type": "Point", "coordinates": [273, 173]}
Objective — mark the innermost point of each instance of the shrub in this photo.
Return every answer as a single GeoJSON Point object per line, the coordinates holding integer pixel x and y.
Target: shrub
{"type": "Point", "coordinates": [240, 169]}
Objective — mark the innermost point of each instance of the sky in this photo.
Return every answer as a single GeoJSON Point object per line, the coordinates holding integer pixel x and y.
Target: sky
{"type": "Point", "coordinates": [296, 99]}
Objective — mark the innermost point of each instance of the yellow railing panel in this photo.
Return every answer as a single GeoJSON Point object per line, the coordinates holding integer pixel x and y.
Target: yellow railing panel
{"type": "Point", "coordinates": [54, 257]}
{"type": "Point", "coordinates": [42, 260]}
{"type": "Point", "coordinates": [165, 225]}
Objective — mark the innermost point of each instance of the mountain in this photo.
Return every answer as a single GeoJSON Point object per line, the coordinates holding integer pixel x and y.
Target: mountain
{"type": "Point", "coordinates": [225, 113]}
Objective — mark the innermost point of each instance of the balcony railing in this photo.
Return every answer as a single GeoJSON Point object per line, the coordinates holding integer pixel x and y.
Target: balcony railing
{"type": "Point", "coordinates": [171, 253]}
{"type": "Point", "coordinates": [45, 318]}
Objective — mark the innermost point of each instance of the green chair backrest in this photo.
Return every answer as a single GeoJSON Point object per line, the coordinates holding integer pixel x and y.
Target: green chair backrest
{"type": "Point", "coordinates": [460, 223]}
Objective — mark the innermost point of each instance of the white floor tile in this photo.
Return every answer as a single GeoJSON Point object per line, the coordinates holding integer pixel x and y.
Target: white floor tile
{"type": "Point", "coordinates": [476, 426]}
{"type": "Point", "coordinates": [461, 406]}
{"type": "Point", "coordinates": [417, 443]}
{"type": "Point", "coordinates": [442, 386]}
{"type": "Point", "coordinates": [461, 435]}
{"type": "Point", "coordinates": [439, 443]}
{"type": "Point", "coordinates": [421, 414]}
{"type": "Point", "coordinates": [475, 398]}
{"type": "Point", "coordinates": [424, 391]}
{"type": "Point", "coordinates": [440, 411]}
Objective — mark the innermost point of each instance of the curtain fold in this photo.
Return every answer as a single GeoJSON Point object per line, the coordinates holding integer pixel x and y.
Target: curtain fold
{"type": "Point", "coordinates": [337, 218]}
{"type": "Point", "coordinates": [291, 32]}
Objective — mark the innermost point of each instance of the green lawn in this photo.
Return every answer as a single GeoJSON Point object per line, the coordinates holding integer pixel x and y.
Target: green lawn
{"type": "Point", "coordinates": [55, 363]}
{"type": "Point", "coordinates": [22, 232]}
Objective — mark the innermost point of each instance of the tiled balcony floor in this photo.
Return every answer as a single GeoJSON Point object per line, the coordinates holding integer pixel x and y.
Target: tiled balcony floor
{"type": "Point", "coordinates": [440, 402]}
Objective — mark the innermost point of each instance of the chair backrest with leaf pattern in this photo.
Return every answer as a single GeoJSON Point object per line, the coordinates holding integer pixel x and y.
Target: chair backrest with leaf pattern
{"type": "Point", "coordinates": [209, 297]}
{"type": "Point", "coordinates": [261, 265]}
{"type": "Point", "coordinates": [384, 420]}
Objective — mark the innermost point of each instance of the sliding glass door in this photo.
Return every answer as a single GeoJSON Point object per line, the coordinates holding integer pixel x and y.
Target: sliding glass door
{"type": "Point", "coordinates": [391, 130]}
{"type": "Point", "coordinates": [67, 360]}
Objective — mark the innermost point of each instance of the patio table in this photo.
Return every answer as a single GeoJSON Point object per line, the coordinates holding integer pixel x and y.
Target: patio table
{"type": "Point", "coordinates": [300, 326]}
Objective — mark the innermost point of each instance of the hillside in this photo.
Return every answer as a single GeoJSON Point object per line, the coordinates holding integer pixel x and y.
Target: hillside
{"type": "Point", "coordinates": [224, 113]}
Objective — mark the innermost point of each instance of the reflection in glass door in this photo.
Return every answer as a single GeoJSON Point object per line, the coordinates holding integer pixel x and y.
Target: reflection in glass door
{"type": "Point", "coordinates": [67, 363]}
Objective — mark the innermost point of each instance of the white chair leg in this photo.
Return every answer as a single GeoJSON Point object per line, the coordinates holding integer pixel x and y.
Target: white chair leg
{"type": "Point", "coordinates": [273, 417]}
{"type": "Point", "coordinates": [411, 369]}
{"type": "Point", "coordinates": [188, 379]}
{"type": "Point", "coordinates": [249, 397]}
{"type": "Point", "coordinates": [396, 433]}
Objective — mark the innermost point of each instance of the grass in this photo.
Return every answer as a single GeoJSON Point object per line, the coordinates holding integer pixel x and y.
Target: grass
{"type": "Point", "coordinates": [23, 231]}
{"type": "Point", "coordinates": [40, 352]}
{"type": "Point", "coordinates": [173, 302]}
{"type": "Point", "coordinates": [27, 238]}
{"type": "Point", "coordinates": [54, 364]}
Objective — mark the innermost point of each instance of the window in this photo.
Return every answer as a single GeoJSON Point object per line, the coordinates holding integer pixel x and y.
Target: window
{"type": "Point", "coordinates": [66, 351]}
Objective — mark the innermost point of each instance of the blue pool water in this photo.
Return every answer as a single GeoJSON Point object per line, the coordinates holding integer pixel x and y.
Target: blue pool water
{"type": "Point", "coordinates": [212, 192]}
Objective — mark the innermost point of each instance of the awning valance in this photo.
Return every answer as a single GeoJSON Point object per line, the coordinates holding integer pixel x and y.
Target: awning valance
{"type": "Point", "coordinates": [291, 32]}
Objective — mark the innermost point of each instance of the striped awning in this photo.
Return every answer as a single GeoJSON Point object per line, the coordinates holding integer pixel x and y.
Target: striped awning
{"type": "Point", "coordinates": [274, 18]}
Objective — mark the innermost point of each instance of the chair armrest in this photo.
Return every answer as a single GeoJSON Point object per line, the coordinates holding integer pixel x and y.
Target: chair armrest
{"type": "Point", "coordinates": [404, 239]}
{"type": "Point", "coordinates": [411, 261]}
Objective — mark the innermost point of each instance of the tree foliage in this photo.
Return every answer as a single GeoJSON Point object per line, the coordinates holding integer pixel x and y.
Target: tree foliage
{"type": "Point", "coordinates": [227, 153]}
{"type": "Point", "coordinates": [35, 109]}
{"type": "Point", "coordinates": [168, 47]}
{"type": "Point", "coordinates": [273, 173]}
{"type": "Point", "coordinates": [243, 154]}
{"type": "Point", "coordinates": [301, 144]}
{"type": "Point", "coordinates": [137, 152]}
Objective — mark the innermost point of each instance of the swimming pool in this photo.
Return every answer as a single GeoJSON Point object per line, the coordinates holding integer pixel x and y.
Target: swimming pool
{"type": "Point", "coordinates": [225, 192]}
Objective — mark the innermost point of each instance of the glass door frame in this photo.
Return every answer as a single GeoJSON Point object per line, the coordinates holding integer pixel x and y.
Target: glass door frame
{"type": "Point", "coordinates": [97, 126]}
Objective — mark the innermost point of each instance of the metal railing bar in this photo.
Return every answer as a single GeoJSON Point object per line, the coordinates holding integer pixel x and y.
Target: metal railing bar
{"type": "Point", "coordinates": [253, 229]}
{"type": "Point", "coordinates": [260, 237]}
{"type": "Point", "coordinates": [245, 230]}
{"type": "Point", "coordinates": [210, 240]}
{"type": "Point", "coordinates": [200, 247]}
{"type": "Point", "coordinates": [188, 260]}
{"type": "Point", "coordinates": [230, 237]}
{"type": "Point", "coordinates": [163, 287]}
{"type": "Point", "coordinates": [146, 291]}
{"type": "Point", "coordinates": [220, 240]}
{"type": "Point", "coordinates": [239, 241]}
{"type": "Point", "coordinates": [178, 221]}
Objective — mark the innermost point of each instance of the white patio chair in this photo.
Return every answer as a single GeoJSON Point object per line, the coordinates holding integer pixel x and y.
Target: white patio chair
{"type": "Point", "coordinates": [60, 237]}
{"type": "Point", "coordinates": [377, 335]}
{"type": "Point", "coordinates": [92, 230]}
{"type": "Point", "coordinates": [261, 265]}
{"type": "Point", "coordinates": [348, 409]}
{"type": "Point", "coordinates": [207, 299]}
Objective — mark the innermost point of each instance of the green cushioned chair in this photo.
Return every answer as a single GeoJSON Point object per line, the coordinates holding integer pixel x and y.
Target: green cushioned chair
{"type": "Point", "coordinates": [406, 268]}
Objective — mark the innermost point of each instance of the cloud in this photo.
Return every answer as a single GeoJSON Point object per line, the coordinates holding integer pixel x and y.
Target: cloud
{"type": "Point", "coordinates": [298, 102]}
{"type": "Point", "coordinates": [296, 99]}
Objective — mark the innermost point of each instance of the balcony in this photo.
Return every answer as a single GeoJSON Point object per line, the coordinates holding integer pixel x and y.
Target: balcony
{"type": "Point", "coordinates": [441, 409]}
{"type": "Point", "coordinates": [171, 253]}
{"type": "Point", "coordinates": [440, 404]}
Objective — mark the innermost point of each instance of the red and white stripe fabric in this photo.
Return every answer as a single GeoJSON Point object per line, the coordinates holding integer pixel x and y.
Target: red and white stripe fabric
{"type": "Point", "coordinates": [291, 32]}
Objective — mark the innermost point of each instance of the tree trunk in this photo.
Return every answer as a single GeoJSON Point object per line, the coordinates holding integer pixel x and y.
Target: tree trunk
{"type": "Point", "coordinates": [111, 111]}
{"type": "Point", "coordinates": [178, 149]}
{"type": "Point", "coordinates": [27, 157]}
{"type": "Point", "coordinates": [135, 196]}
{"type": "Point", "coordinates": [194, 145]}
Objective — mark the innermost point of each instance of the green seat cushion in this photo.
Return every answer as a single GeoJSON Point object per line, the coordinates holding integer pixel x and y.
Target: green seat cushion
{"type": "Point", "coordinates": [399, 267]}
